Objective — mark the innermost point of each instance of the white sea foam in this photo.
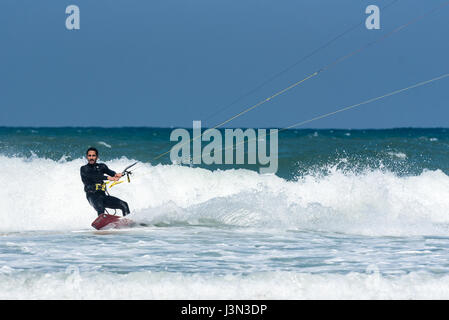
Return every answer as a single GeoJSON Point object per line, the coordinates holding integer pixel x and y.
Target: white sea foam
{"type": "Point", "coordinates": [270, 285]}
{"type": "Point", "coordinates": [42, 194]}
{"type": "Point", "coordinates": [399, 155]}
{"type": "Point", "coordinates": [104, 144]}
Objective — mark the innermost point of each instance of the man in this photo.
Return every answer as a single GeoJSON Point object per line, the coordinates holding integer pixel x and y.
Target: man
{"type": "Point", "coordinates": [93, 175]}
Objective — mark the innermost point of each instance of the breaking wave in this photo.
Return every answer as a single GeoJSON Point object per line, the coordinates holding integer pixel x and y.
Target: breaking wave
{"type": "Point", "coordinates": [43, 194]}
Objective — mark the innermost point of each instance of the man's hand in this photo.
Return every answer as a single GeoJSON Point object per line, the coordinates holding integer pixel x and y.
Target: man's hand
{"type": "Point", "coordinates": [114, 178]}
{"type": "Point", "coordinates": [118, 175]}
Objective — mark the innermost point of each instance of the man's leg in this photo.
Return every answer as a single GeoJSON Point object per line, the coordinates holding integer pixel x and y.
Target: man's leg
{"type": "Point", "coordinates": [116, 203]}
{"type": "Point", "coordinates": [96, 200]}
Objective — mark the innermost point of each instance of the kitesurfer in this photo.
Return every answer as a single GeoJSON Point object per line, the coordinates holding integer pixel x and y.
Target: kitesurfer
{"type": "Point", "coordinates": [93, 175]}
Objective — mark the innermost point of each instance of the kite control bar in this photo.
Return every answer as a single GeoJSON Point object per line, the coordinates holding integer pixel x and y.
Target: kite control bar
{"type": "Point", "coordinates": [126, 172]}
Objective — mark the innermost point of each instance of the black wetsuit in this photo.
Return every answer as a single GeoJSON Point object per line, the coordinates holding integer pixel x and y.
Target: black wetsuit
{"type": "Point", "coordinates": [92, 174]}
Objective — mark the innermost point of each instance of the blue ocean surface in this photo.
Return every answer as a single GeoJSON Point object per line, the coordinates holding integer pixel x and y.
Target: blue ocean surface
{"type": "Point", "coordinates": [350, 214]}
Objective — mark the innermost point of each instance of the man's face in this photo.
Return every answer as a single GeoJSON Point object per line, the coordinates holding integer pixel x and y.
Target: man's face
{"type": "Point", "coordinates": [91, 157]}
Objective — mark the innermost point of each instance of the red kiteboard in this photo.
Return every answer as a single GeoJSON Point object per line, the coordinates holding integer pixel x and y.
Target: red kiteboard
{"type": "Point", "coordinates": [109, 221]}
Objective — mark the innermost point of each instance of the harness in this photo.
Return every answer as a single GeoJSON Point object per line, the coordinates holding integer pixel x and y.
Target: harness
{"type": "Point", "coordinates": [100, 187]}
{"type": "Point", "coordinates": [103, 186]}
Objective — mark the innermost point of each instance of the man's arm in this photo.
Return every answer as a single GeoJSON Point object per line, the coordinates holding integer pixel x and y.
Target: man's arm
{"type": "Point", "coordinates": [113, 175]}
{"type": "Point", "coordinates": [83, 176]}
{"type": "Point", "coordinates": [108, 171]}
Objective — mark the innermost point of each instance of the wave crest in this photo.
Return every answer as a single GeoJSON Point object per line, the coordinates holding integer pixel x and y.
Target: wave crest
{"type": "Point", "coordinates": [43, 194]}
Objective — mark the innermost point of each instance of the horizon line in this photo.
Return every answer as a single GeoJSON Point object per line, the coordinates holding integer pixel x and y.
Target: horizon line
{"type": "Point", "coordinates": [206, 128]}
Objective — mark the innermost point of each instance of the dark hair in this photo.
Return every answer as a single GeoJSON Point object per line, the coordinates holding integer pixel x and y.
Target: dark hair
{"type": "Point", "coordinates": [92, 149]}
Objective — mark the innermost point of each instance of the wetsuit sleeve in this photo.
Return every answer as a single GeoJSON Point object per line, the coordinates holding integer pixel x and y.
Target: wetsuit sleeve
{"type": "Point", "coordinates": [84, 176]}
{"type": "Point", "coordinates": [108, 171]}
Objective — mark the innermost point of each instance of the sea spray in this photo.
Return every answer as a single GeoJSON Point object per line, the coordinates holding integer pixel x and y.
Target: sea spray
{"type": "Point", "coordinates": [44, 194]}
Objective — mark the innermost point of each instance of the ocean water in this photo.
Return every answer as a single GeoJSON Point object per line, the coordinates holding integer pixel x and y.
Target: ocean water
{"type": "Point", "coordinates": [350, 214]}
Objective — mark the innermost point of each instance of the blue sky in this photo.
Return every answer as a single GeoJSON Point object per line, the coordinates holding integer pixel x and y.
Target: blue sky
{"type": "Point", "coordinates": [168, 62]}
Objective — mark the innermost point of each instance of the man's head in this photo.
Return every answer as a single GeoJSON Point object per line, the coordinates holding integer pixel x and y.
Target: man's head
{"type": "Point", "coordinates": [92, 155]}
